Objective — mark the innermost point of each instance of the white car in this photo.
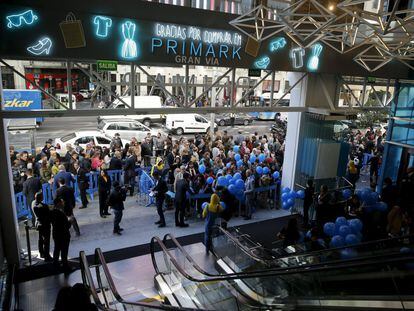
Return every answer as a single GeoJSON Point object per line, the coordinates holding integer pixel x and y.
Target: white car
{"type": "Point", "coordinates": [126, 129]}
{"type": "Point", "coordinates": [83, 138]}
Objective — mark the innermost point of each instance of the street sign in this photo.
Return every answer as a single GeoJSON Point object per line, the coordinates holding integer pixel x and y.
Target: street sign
{"type": "Point", "coordinates": [255, 72]}
{"type": "Point", "coordinates": [371, 79]}
{"type": "Point", "coordinates": [107, 65]}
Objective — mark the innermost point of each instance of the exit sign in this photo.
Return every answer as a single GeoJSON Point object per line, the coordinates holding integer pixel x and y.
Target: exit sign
{"type": "Point", "coordinates": [255, 72]}
{"type": "Point", "coordinates": [107, 65]}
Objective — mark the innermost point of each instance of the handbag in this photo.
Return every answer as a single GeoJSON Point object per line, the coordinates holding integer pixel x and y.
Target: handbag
{"type": "Point", "coordinates": [72, 32]}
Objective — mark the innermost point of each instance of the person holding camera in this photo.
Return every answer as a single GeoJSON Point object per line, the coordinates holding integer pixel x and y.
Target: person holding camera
{"type": "Point", "coordinates": [116, 202]}
{"type": "Point", "coordinates": [159, 191]}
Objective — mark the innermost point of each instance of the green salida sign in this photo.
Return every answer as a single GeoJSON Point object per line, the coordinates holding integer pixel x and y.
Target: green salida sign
{"type": "Point", "coordinates": [107, 65]}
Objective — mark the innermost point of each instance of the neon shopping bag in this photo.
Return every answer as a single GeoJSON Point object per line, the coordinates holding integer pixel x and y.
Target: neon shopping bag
{"type": "Point", "coordinates": [72, 32]}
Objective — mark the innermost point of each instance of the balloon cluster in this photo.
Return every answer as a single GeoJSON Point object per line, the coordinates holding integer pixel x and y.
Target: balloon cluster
{"type": "Point", "coordinates": [343, 232]}
{"type": "Point", "coordinates": [289, 196]}
{"type": "Point", "coordinates": [371, 200]}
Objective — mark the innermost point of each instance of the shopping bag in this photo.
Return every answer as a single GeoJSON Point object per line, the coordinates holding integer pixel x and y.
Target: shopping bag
{"type": "Point", "coordinates": [252, 47]}
{"type": "Point", "coordinates": [72, 32]}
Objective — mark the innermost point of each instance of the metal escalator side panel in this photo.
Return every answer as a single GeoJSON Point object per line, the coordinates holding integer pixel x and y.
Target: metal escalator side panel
{"type": "Point", "coordinates": [356, 304]}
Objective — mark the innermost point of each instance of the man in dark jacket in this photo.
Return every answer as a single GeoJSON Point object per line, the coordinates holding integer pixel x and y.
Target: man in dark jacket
{"type": "Point", "coordinates": [146, 152]}
{"type": "Point", "coordinates": [67, 195]}
{"type": "Point", "coordinates": [31, 186]}
{"type": "Point", "coordinates": [129, 171]}
{"type": "Point", "coordinates": [83, 183]}
{"type": "Point", "coordinates": [64, 175]}
{"type": "Point", "coordinates": [116, 161]}
{"type": "Point", "coordinates": [159, 191]}
{"type": "Point", "coordinates": [42, 213]}
{"type": "Point", "coordinates": [60, 233]}
{"type": "Point", "coordinates": [116, 202]}
{"type": "Point", "coordinates": [181, 188]}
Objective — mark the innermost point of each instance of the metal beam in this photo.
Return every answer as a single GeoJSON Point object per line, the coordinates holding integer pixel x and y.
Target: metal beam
{"type": "Point", "coordinates": [69, 82]}
{"type": "Point", "coordinates": [272, 88]}
{"type": "Point", "coordinates": [253, 87]}
{"type": "Point", "coordinates": [186, 78]}
{"type": "Point", "coordinates": [233, 87]}
{"type": "Point", "coordinates": [290, 89]}
{"type": "Point", "coordinates": [132, 86]}
{"type": "Point", "coordinates": [156, 82]}
{"type": "Point", "coordinates": [34, 83]}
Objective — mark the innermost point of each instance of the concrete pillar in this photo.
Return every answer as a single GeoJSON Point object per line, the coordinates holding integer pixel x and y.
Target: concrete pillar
{"type": "Point", "coordinates": [8, 218]}
{"type": "Point", "coordinates": [297, 99]}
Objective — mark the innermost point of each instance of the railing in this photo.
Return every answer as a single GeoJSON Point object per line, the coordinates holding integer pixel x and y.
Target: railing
{"type": "Point", "coordinates": [145, 182]}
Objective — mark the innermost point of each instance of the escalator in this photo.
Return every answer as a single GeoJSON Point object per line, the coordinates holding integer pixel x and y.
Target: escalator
{"type": "Point", "coordinates": [368, 282]}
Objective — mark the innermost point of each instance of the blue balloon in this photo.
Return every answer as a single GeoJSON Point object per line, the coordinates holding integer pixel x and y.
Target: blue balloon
{"type": "Point", "coordinates": [309, 234]}
{"type": "Point", "coordinates": [204, 205]}
{"type": "Point", "coordinates": [276, 175]}
{"type": "Point", "coordinates": [292, 194]}
{"type": "Point", "coordinates": [366, 193]}
{"type": "Point", "coordinates": [286, 189]}
{"type": "Point", "coordinates": [202, 169]}
{"type": "Point", "coordinates": [229, 177]}
{"type": "Point", "coordinates": [222, 181]}
{"type": "Point", "coordinates": [223, 205]}
{"type": "Point", "coordinates": [239, 163]}
{"type": "Point", "coordinates": [236, 148]}
{"type": "Point", "coordinates": [358, 193]}
{"type": "Point", "coordinates": [285, 196]}
{"type": "Point", "coordinates": [355, 225]}
{"type": "Point", "coordinates": [262, 157]}
{"type": "Point", "coordinates": [374, 197]}
{"type": "Point", "coordinates": [232, 181]}
{"type": "Point", "coordinates": [232, 189]}
{"type": "Point", "coordinates": [290, 202]}
{"type": "Point", "coordinates": [351, 239]}
{"type": "Point", "coordinates": [228, 165]}
{"type": "Point", "coordinates": [300, 194]}
{"type": "Point", "coordinates": [266, 170]}
{"type": "Point", "coordinates": [344, 230]}
{"type": "Point", "coordinates": [337, 241]}
{"type": "Point", "coordinates": [237, 176]}
{"type": "Point", "coordinates": [285, 205]}
{"type": "Point", "coordinates": [252, 158]}
{"type": "Point", "coordinates": [237, 157]}
{"type": "Point", "coordinates": [329, 229]}
{"type": "Point", "coordinates": [239, 184]}
{"type": "Point", "coordinates": [259, 170]}
{"type": "Point", "coordinates": [347, 193]}
{"type": "Point", "coordinates": [341, 221]}
{"type": "Point", "coordinates": [381, 206]}
{"type": "Point", "coordinates": [210, 180]}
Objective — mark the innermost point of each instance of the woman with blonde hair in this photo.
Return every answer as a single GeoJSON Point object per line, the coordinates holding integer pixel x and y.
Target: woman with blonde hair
{"type": "Point", "coordinates": [211, 212]}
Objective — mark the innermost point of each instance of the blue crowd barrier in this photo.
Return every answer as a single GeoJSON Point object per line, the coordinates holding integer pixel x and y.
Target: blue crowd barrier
{"type": "Point", "coordinates": [47, 194]}
{"type": "Point", "coordinates": [22, 209]}
{"type": "Point", "coordinates": [145, 184]}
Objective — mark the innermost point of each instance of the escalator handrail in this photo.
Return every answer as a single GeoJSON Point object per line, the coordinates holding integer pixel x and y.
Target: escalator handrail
{"type": "Point", "coordinates": [86, 273]}
{"type": "Point", "coordinates": [275, 269]}
{"type": "Point", "coordinates": [272, 272]}
{"type": "Point", "coordinates": [100, 260]}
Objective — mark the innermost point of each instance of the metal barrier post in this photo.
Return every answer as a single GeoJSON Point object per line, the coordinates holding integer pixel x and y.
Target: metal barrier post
{"type": "Point", "coordinates": [29, 249]}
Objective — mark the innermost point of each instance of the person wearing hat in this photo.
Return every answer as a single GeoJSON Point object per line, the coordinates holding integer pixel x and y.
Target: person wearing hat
{"type": "Point", "coordinates": [211, 212]}
{"type": "Point", "coordinates": [116, 142]}
{"type": "Point", "coordinates": [46, 148]}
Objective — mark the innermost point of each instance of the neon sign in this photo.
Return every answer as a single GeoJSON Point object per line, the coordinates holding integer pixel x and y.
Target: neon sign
{"type": "Point", "coordinates": [297, 55]}
{"type": "Point", "coordinates": [18, 20]}
{"type": "Point", "coordinates": [41, 48]}
{"type": "Point", "coordinates": [277, 44]}
{"type": "Point", "coordinates": [262, 62]}
{"type": "Point", "coordinates": [313, 62]}
{"type": "Point", "coordinates": [129, 48]}
{"type": "Point", "coordinates": [103, 24]}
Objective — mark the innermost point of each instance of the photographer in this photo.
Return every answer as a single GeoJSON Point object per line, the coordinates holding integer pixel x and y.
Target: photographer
{"type": "Point", "coordinates": [116, 202]}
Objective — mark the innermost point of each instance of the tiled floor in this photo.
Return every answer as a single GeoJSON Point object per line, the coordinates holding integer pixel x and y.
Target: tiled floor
{"type": "Point", "coordinates": [138, 222]}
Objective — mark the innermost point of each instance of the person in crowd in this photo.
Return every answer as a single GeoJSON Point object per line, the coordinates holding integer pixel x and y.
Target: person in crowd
{"type": "Point", "coordinates": [116, 142]}
{"type": "Point", "coordinates": [83, 184]}
{"type": "Point", "coordinates": [158, 166]}
{"type": "Point", "coordinates": [249, 192]}
{"type": "Point", "coordinates": [31, 186]}
{"type": "Point", "coordinates": [352, 173]}
{"type": "Point", "coordinates": [323, 206]}
{"type": "Point", "coordinates": [67, 195]}
{"type": "Point", "coordinates": [159, 191]}
{"type": "Point", "coordinates": [62, 174]}
{"type": "Point", "coordinates": [46, 148]}
{"type": "Point", "coordinates": [60, 233]}
{"type": "Point", "coordinates": [389, 192]}
{"type": "Point", "coordinates": [45, 172]}
{"type": "Point", "coordinates": [230, 202]}
{"type": "Point", "coordinates": [353, 207]}
{"type": "Point", "coordinates": [129, 171]}
{"type": "Point", "coordinates": [374, 162]}
{"type": "Point", "coordinates": [159, 145]}
{"type": "Point", "coordinates": [116, 161]}
{"type": "Point", "coordinates": [96, 161]}
{"type": "Point", "coordinates": [76, 297]}
{"type": "Point", "coordinates": [146, 151]}
{"type": "Point", "coordinates": [43, 223]}
{"type": "Point", "coordinates": [308, 201]}
{"type": "Point", "coordinates": [211, 212]}
{"type": "Point", "coordinates": [182, 187]}
{"type": "Point", "coordinates": [395, 221]}
{"type": "Point", "coordinates": [55, 167]}
{"type": "Point", "coordinates": [116, 202]}
{"type": "Point", "coordinates": [290, 234]}
{"type": "Point", "coordinates": [104, 189]}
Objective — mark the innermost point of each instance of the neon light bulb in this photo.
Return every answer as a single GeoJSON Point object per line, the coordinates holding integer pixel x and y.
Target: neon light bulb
{"type": "Point", "coordinates": [42, 47]}
{"type": "Point", "coordinates": [296, 55]}
{"type": "Point", "coordinates": [18, 20]}
{"type": "Point", "coordinates": [277, 44]}
{"type": "Point", "coordinates": [313, 62]}
{"type": "Point", "coordinates": [129, 46]}
{"type": "Point", "coordinates": [262, 62]}
{"type": "Point", "coordinates": [103, 24]}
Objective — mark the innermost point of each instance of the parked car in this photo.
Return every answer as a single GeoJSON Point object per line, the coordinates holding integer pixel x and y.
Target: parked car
{"type": "Point", "coordinates": [64, 99]}
{"type": "Point", "coordinates": [83, 138]}
{"type": "Point", "coordinates": [240, 119]}
{"type": "Point", "coordinates": [127, 128]}
{"type": "Point", "coordinates": [187, 123]}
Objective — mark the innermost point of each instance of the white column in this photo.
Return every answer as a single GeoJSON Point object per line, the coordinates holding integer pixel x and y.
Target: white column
{"type": "Point", "coordinates": [295, 119]}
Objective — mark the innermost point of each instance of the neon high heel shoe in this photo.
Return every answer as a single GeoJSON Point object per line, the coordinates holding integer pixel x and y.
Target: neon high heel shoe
{"type": "Point", "coordinates": [42, 47]}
